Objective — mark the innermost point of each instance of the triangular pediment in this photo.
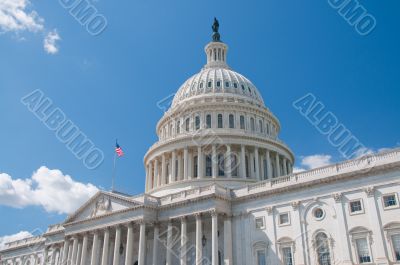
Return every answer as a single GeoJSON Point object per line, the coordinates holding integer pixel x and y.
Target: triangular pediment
{"type": "Point", "coordinates": [101, 203]}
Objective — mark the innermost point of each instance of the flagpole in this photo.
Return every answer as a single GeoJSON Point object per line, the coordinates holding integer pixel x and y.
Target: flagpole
{"type": "Point", "coordinates": [113, 174]}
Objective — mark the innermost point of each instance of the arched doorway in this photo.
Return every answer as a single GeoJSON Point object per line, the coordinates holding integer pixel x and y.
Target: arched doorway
{"type": "Point", "coordinates": [322, 248]}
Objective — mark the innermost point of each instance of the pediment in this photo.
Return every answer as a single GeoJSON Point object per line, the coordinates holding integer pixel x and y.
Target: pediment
{"type": "Point", "coordinates": [101, 203]}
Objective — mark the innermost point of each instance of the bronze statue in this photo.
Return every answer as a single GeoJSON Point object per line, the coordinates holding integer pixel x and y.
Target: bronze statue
{"type": "Point", "coordinates": [215, 28]}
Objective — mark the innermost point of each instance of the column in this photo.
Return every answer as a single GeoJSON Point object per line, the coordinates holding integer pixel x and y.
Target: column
{"type": "Point", "coordinates": [257, 164]}
{"type": "Point", "coordinates": [106, 242]}
{"type": "Point", "coordinates": [214, 238]}
{"type": "Point", "coordinates": [147, 178]}
{"type": "Point", "coordinates": [199, 247]}
{"type": "Point", "coordinates": [185, 163]}
{"type": "Point", "coordinates": [78, 256]}
{"type": "Point", "coordinates": [129, 245]}
{"type": "Point", "coordinates": [285, 166]}
{"type": "Point", "coordinates": [45, 255]}
{"type": "Point", "coordinates": [74, 250]}
{"type": "Point", "coordinates": [84, 249]}
{"type": "Point", "coordinates": [269, 167]}
{"type": "Point", "coordinates": [95, 248]}
{"type": "Point", "coordinates": [228, 255]}
{"type": "Point", "coordinates": [262, 167]}
{"type": "Point", "coordinates": [378, 238]}
{"type": "Point", "coordinates": [155, 244]}
{"type": "Point", "coordinates": [163, 169]}
{"type": "Point", "coordinates": [183, 241]}
{"type": "Point", "coordinates": [117, 243]}
{"type": "Point", "coordinates": [151, 176]}
{"type": "Point", "coordinates": [200, 173]}
{"type": "Point", "coordinates": [180, 167]}
{"type": "Point", "coordinates": [243, 162]}
{"type": "Point", "coordinates": [65, 251]}
{"type": "Point", "coordinates": [156, 175]}
{"type": "Point", "coordinates": [228, 162]}
{"type": "Point", "coordinates": [142, 243]}
{"type": "Point", "coordinates": [344, 246]}
{"type": "Point", "coordinates": [298, 234]}
{"type": "Point", "coordinates": [53, 256]}
{"type": "Point", "coordinates": [278, 167]}
{"type": "Point", "coordinates": [173, 167]}
{"type": "Point", "coordinates": [169, 244]}
{"type": "Point", "coordinates": [214, 161]}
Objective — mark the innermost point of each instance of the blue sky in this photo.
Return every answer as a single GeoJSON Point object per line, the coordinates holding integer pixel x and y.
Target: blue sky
{"type": "Point", "coordinates": [109, 86]}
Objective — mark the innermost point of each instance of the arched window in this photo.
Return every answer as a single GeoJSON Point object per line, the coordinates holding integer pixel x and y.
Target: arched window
{"type": "Point", "coordinates": [187, 124]}
{"type": "Point", "coordinates": [197, 122]}
{"type": "Point", "coordinates": [242, 125]}
{"type": "Point", "coordinates": [178, 127]}
{"type": "Point", "coordinates": [220, 124]}
{"type": "Point", "coordinates": [322, 248]}
{"type": "Point", "coordinates": [231, 121]}
{"type": "Point", "coordinates": [208, 166]}
{"type": "Point", "coordinates": [208, 120]}
{"type": "Point", "coordinates": [252, 124]}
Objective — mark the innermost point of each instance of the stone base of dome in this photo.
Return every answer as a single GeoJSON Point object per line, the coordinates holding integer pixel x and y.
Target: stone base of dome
{"type": "Point", "coordinates": [197, 183]}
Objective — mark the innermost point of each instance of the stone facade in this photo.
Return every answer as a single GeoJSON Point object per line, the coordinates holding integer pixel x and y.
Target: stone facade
{"type": "Point", "coordinates": [220, 189]}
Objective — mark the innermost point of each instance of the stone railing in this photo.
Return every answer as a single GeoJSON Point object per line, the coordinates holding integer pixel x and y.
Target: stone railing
{"type": "Point", "coordinates": [26, 241]}
{"type": "Point", "coordinates": [362, 164]}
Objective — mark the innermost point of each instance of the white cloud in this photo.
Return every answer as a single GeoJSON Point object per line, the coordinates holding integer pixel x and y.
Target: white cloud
{"type": "Point", "coordinates": [17, 16]}
{"type": "Point", "coordinates": [49, 42]}
{"type": "Point", "coordinates": [10, 238]}
{"type": "Point", "coordinates": [51, 189]}
{"type": "Point", "coordinates": [315, 161]}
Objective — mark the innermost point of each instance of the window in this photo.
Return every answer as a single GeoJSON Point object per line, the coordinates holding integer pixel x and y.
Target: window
{"type": "Point", "coordinates": [260, 222]}
{"type": "Point", "coordinates": [252, 125]}
{"type": "Point", "coordinates": [201, 85]}
{"type": "Point", "coordinates": [242, 122]}
{"type": "Point", "coordinates": [197, 122]}
{"type": "Point", "coordinates": [261, 259]}
{"type": "Point", "coordinates": [208, 120]}
{"type": "Point", "coordinates": [234, 165]}
{"type": "Point", "coordinates": [396, 246]}
{"type": "Point", "coordinates": [356, 206]}
{"type": "Point", "coordinates": [243, 89]}
{"type": "Point", "coordinates": [208, 166]}
{"type": "Point", "coordinates": [260, 124]}
{"type": "Point", "coordinates": [220, 125]}
{"type": "Point", "coordinates": [284, 219]}
{"type": "Point", "coordinates": [318, 213]}
{"type": "Point", "coordinates": [322, 247]}
{"type": "Point", "coordinates": [178, 127]}
{"type": "Point", "coordinates": [187, 124]}
{"type": "Point", "coordinates": [221, 165]}
{"type": "Point", "coordinates": [389, 201]}
{"type": "Point", "coordinates": [218, 83]}
{"type": "Point", "coordinates": [235, 85]}
{"type": "Point", "coordinates": [362, 250]}
{"type": "Point", "coordinates": [195, 166]}
{"type": "Point", "coordinates": [226, 84]}
{"type": "Point", "coordinates": [287, 256]}
{"type": "Point", "coordinates": [231, 121]}
{"type": "Point", "coordinates": [209, 84]}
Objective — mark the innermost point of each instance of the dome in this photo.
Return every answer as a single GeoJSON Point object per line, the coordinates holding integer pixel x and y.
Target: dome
{"type": "Point", "coordinates": [215, 80]}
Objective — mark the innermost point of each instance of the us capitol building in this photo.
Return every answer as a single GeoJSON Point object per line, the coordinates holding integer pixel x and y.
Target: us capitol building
{"type": "Point", "coordinates": [220, 189]}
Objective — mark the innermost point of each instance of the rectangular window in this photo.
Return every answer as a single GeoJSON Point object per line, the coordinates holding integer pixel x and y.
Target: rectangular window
{"type": "Point", "coordinates": [197, 122]}
{"type": "Point", "coordinates": [220, 125]}
{"type": "Point", "coordinates": [195, 166]}
{"type": "Point", "coordinates": [208, 120]}
{"type": "Point", "coordinates": [187, 124]}
{"type": "Point", "coordinates": [362, 250]}
{"type": "Point", "coordinates": [235, 85]}
{"type": "Point", "coordinates": [389, 200]}
{"type": "Point", "coordinates": [396, 246]}
{"type": "Point", "coordinates": [226, 84]}
{"type": "Point", "coordinates": [260, 222]}
{"type": "Point", "coordinates": [355, 206]}
{"type": "Point", "coordinates": [261, 259]}
{"type": "Point", "coordinates": [221, 165]}
{"type": "Point", "coordinates": [287, 256]}
{"type": "Point", "coordinates": [218, 83]}
{"type": "Point", "coordinates": [231, 121]}
{"type": "Point", "coordinates": [208, 166]}
{"type": "Point", "coordinates": [209, 84]}
{"type": "Point", "coordinates": [284, 219]}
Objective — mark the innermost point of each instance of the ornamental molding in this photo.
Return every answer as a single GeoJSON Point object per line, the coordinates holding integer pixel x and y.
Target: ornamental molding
{"type": "Point", "coordinates": [370, 191]}
{"type": "Point", "coordinates": [337, 196]}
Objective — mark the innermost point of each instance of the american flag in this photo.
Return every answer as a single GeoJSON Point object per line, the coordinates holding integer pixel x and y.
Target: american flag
{"type": "Point", "coordinates": [118, 150]}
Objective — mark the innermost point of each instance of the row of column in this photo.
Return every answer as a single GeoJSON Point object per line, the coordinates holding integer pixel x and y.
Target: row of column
{"type": "Point", "coordinates": [180, 165]}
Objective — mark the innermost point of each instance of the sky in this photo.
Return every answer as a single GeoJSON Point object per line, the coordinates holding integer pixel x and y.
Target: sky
{"type": "Point", "coordinates": [106, 73]}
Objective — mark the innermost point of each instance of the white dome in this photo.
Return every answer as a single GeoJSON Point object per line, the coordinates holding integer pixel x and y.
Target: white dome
{"type": "Point", "coordinates": [217, 80]}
